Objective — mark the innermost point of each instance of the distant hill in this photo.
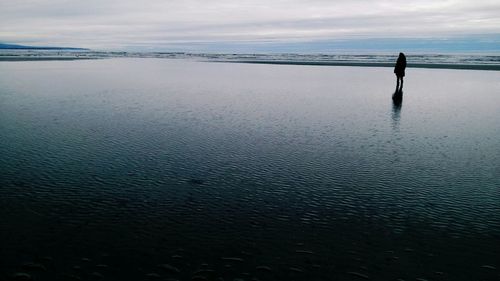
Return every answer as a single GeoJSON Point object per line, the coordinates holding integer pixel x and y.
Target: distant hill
{"type": "Point", "coordinates": [22, 47]}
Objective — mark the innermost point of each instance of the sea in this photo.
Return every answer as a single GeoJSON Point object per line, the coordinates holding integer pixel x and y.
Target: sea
{"type": "Point", "coordinates": [478, 61]}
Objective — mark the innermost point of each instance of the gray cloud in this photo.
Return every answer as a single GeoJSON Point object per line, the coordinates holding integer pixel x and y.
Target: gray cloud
{"type": "Point", "coordinates": [156, 23]}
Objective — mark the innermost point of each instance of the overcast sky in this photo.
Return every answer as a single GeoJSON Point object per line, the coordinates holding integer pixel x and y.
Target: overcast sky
{"type": "Point", "coordinates": [167, 24]}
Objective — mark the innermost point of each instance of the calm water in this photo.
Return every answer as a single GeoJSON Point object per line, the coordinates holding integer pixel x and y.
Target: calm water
{"type": "Point", "coordinates": [110, 168]}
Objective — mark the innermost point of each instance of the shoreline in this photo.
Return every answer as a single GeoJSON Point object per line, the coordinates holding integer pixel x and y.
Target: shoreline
{"type": "Point", "coordinates": [13, 59]}
{"type": "Point", "coordinates": [375, 64]}
{"type": "Point", "coordinates": [277, 62]}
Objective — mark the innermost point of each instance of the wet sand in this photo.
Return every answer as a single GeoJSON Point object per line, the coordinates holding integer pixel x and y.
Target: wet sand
{"type": "Point", "coordinates": [150, 169]}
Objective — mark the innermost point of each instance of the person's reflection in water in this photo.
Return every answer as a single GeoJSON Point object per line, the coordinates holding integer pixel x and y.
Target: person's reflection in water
{"type": "Point", "coordinates": [397, 103]}
{"type": "Point", "coordinates": [396, 138]}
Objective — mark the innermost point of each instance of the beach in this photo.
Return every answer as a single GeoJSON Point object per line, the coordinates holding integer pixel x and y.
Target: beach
{"type": "Point", "coordinates": [149, 168]}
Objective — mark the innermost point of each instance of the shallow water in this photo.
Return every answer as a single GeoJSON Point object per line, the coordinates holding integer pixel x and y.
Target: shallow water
{"type": "Point", "coordinates": [110, 168]}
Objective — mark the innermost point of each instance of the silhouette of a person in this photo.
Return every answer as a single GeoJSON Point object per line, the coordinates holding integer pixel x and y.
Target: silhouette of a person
{"type": "Point", "coordinates": [399, 70]}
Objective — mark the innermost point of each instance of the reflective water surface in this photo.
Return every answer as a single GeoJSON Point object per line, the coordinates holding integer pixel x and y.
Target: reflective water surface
{"type": "Point", "coordinates": [150, 169]}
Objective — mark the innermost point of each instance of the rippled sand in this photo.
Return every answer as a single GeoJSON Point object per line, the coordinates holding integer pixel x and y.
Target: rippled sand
{"type": "Point", "coordinates": [149, 169]}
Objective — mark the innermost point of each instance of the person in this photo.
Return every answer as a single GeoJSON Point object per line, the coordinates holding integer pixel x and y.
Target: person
{"type": "Point", "coordinates": [399, 70]}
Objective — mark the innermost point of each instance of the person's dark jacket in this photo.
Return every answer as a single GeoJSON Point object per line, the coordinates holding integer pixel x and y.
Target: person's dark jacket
{"type": "Point", "coordinates": [400, 67]}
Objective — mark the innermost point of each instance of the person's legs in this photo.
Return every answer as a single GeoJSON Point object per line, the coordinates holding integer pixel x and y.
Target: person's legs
{"type": "Point", "coordinates": [400, 89]}
{"type": "Point", "coordinates": [397, 83]}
